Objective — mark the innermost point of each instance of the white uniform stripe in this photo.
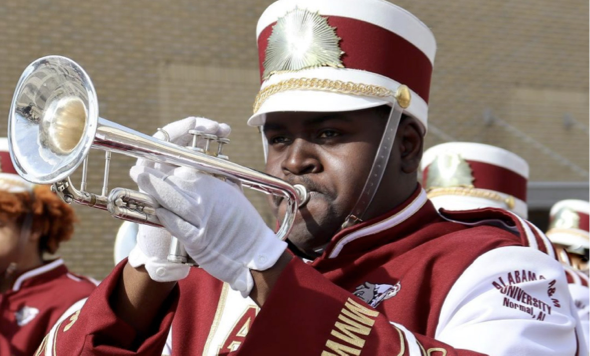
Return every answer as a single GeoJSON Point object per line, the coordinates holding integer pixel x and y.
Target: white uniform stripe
{"type": "Point", "coordinates": [572, 273]}
{"type": "Point", "coordinates": [383, 225]}
{"type": "Point", "coordinates": [584, 277]}
{"type": "Point", "coordinates": [35, 272]}
{"type": "Point", "coordinates": [528, 232]}
{"type": "Point", "coordinates": [546, 241]}
{"type": "Point", "coordinates": [413, 347]}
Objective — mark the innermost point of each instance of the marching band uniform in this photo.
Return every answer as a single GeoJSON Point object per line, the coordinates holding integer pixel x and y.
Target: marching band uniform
{"type": "Point", "coordinates": [38, 299]}
{"type": "Point", "coordinates": [569, 232]}
{"type": "Point", "coordinates": [411, 282]}
{"type": "Point", "coordinates": [40, 296]}
{"type": "Point", "coordinates": [444, 286]}
{"type": "Point", "coordinates": [466, 175]}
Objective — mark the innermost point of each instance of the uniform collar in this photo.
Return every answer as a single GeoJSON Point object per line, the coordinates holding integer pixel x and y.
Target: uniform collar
{"type": "Point", "coordinates": [39, 274]}
{"type": "Point", "coordinates": [407, 217]}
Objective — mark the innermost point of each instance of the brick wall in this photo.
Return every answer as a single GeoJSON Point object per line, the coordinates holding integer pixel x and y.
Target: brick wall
{"type": "Point", "coordinates": [508, 73]}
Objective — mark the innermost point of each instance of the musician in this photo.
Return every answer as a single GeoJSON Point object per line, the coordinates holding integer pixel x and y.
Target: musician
{"type": "Point", "coordinates": [471, 175]}
{"type": "Point", "coordinates": [34, 292]}
{"type": "Point", "coordinates": [568, 230]}
{"type": "Point", "coordinates": [383, 274]}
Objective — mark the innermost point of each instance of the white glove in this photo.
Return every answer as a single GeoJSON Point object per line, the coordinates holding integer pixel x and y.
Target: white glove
{"type": "Point", "coordinates": [153, 244]}
{"type": "Point", "coordinates": [218, 226]}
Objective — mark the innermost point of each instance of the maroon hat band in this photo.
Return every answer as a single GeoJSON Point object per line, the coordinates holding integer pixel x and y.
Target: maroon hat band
{"type": "Point", "coordinates": [374, 49]}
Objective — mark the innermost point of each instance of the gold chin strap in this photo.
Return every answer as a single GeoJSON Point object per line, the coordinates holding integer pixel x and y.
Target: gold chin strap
{"type": "Point", "coordinates": [402, 101]}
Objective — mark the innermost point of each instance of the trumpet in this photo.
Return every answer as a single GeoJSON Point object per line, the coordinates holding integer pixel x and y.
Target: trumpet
{"type": "Point", "coordinates": [54, 122]}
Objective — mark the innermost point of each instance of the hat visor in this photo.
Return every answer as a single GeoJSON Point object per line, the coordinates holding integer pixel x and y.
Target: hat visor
{"type": "Point", "coordinates": [313, 101]}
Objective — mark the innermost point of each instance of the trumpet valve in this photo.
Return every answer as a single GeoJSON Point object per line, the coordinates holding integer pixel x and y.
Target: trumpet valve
{"type": "Point", "coordinates": [208, 139]}
{"type": "Point", "coordinates": [196, 136]}
{"type": "Point", "coordinates": [201, 135]}
{"type": "Point", "coordinates": [220, 143]}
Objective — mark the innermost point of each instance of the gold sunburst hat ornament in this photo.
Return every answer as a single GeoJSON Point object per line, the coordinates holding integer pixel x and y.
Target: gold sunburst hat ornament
{"type": "Point", "coordinates": [565, 218]}
{"type": "Point", "coordinates": [468, 175]}
{"type": "Point", "coordinates": [569, 220]}
{"type": "Point", "coordinates": [449, 169]}
{"type": "Point", "coordinates": [301, 39]}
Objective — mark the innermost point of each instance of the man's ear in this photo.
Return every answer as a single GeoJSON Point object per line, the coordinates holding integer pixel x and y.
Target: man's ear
{"type": "Point", "coordinates": [411, 144]}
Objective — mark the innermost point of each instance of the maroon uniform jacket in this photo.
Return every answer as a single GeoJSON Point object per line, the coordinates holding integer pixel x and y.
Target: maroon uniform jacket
{"type": "Point", "coordinates": [37, 299]}
{"type": "Point", "coordinates": [411, 282]}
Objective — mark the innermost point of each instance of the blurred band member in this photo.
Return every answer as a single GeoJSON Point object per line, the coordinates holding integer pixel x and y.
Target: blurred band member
{"type": "Point", "coordinates": [466, 175]}
{"type": "Point", "coordinates": [34, 292]}
{"type": "Point", "coordinates": [568, 230]}
{"type": "Point", "coordinates": [469, 175]}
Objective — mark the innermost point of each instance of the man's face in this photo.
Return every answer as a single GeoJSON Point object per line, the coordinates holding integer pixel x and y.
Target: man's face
{"type": "Point", "coordinates": [331, 155]}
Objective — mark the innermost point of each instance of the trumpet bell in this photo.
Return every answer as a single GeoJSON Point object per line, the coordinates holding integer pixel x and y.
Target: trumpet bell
{"type": "Point", "coordinates": [53, 120]}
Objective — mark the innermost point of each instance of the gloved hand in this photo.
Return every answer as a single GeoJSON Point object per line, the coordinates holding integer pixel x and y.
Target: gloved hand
{"type": "Point", "coordinates": [153, 243]}
{"type": "Point", "coordinates": [218, 226]}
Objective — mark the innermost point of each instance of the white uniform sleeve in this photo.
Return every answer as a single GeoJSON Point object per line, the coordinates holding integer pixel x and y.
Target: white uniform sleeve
{"type": "Point", "coordinates": [510, 301]}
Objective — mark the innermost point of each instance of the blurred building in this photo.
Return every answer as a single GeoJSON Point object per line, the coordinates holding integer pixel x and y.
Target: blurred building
{"type": "Point", "coordinates": [511, 73]}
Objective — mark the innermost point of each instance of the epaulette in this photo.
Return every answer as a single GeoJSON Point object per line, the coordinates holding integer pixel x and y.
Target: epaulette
{"type": "Point", "coordinates": [529, 234]}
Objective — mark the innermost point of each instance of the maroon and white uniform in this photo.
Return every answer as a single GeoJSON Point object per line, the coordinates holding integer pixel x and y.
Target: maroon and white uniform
{"type": "Point", "coordinates": [36, 301]}
{"type": "Point", "coordinates": [411, 282]}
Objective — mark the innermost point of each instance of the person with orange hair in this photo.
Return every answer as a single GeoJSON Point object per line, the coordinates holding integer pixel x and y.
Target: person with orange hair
{"type": "Point", "coordinates": [34, 293]}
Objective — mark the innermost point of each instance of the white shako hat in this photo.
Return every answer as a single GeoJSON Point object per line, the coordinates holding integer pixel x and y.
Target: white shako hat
{"type": "Point", "coordinates": [341, 55]}
{"type": "Point", "coordinates": [10, 181]}
{"type": "Point", "coordinates": [466, 175]}
{"type": "Point", "coordinates": [568, 225]}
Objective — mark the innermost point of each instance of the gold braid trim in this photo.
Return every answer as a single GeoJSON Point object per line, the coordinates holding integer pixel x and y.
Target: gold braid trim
{"type": "Point", "coordinates": [472, 192]}
{"type": "Point", "coordinates": [335, 86]}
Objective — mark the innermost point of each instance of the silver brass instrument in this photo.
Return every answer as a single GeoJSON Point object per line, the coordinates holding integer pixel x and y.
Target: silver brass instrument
{"type": "Point", "coordinates": [54, 122]}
